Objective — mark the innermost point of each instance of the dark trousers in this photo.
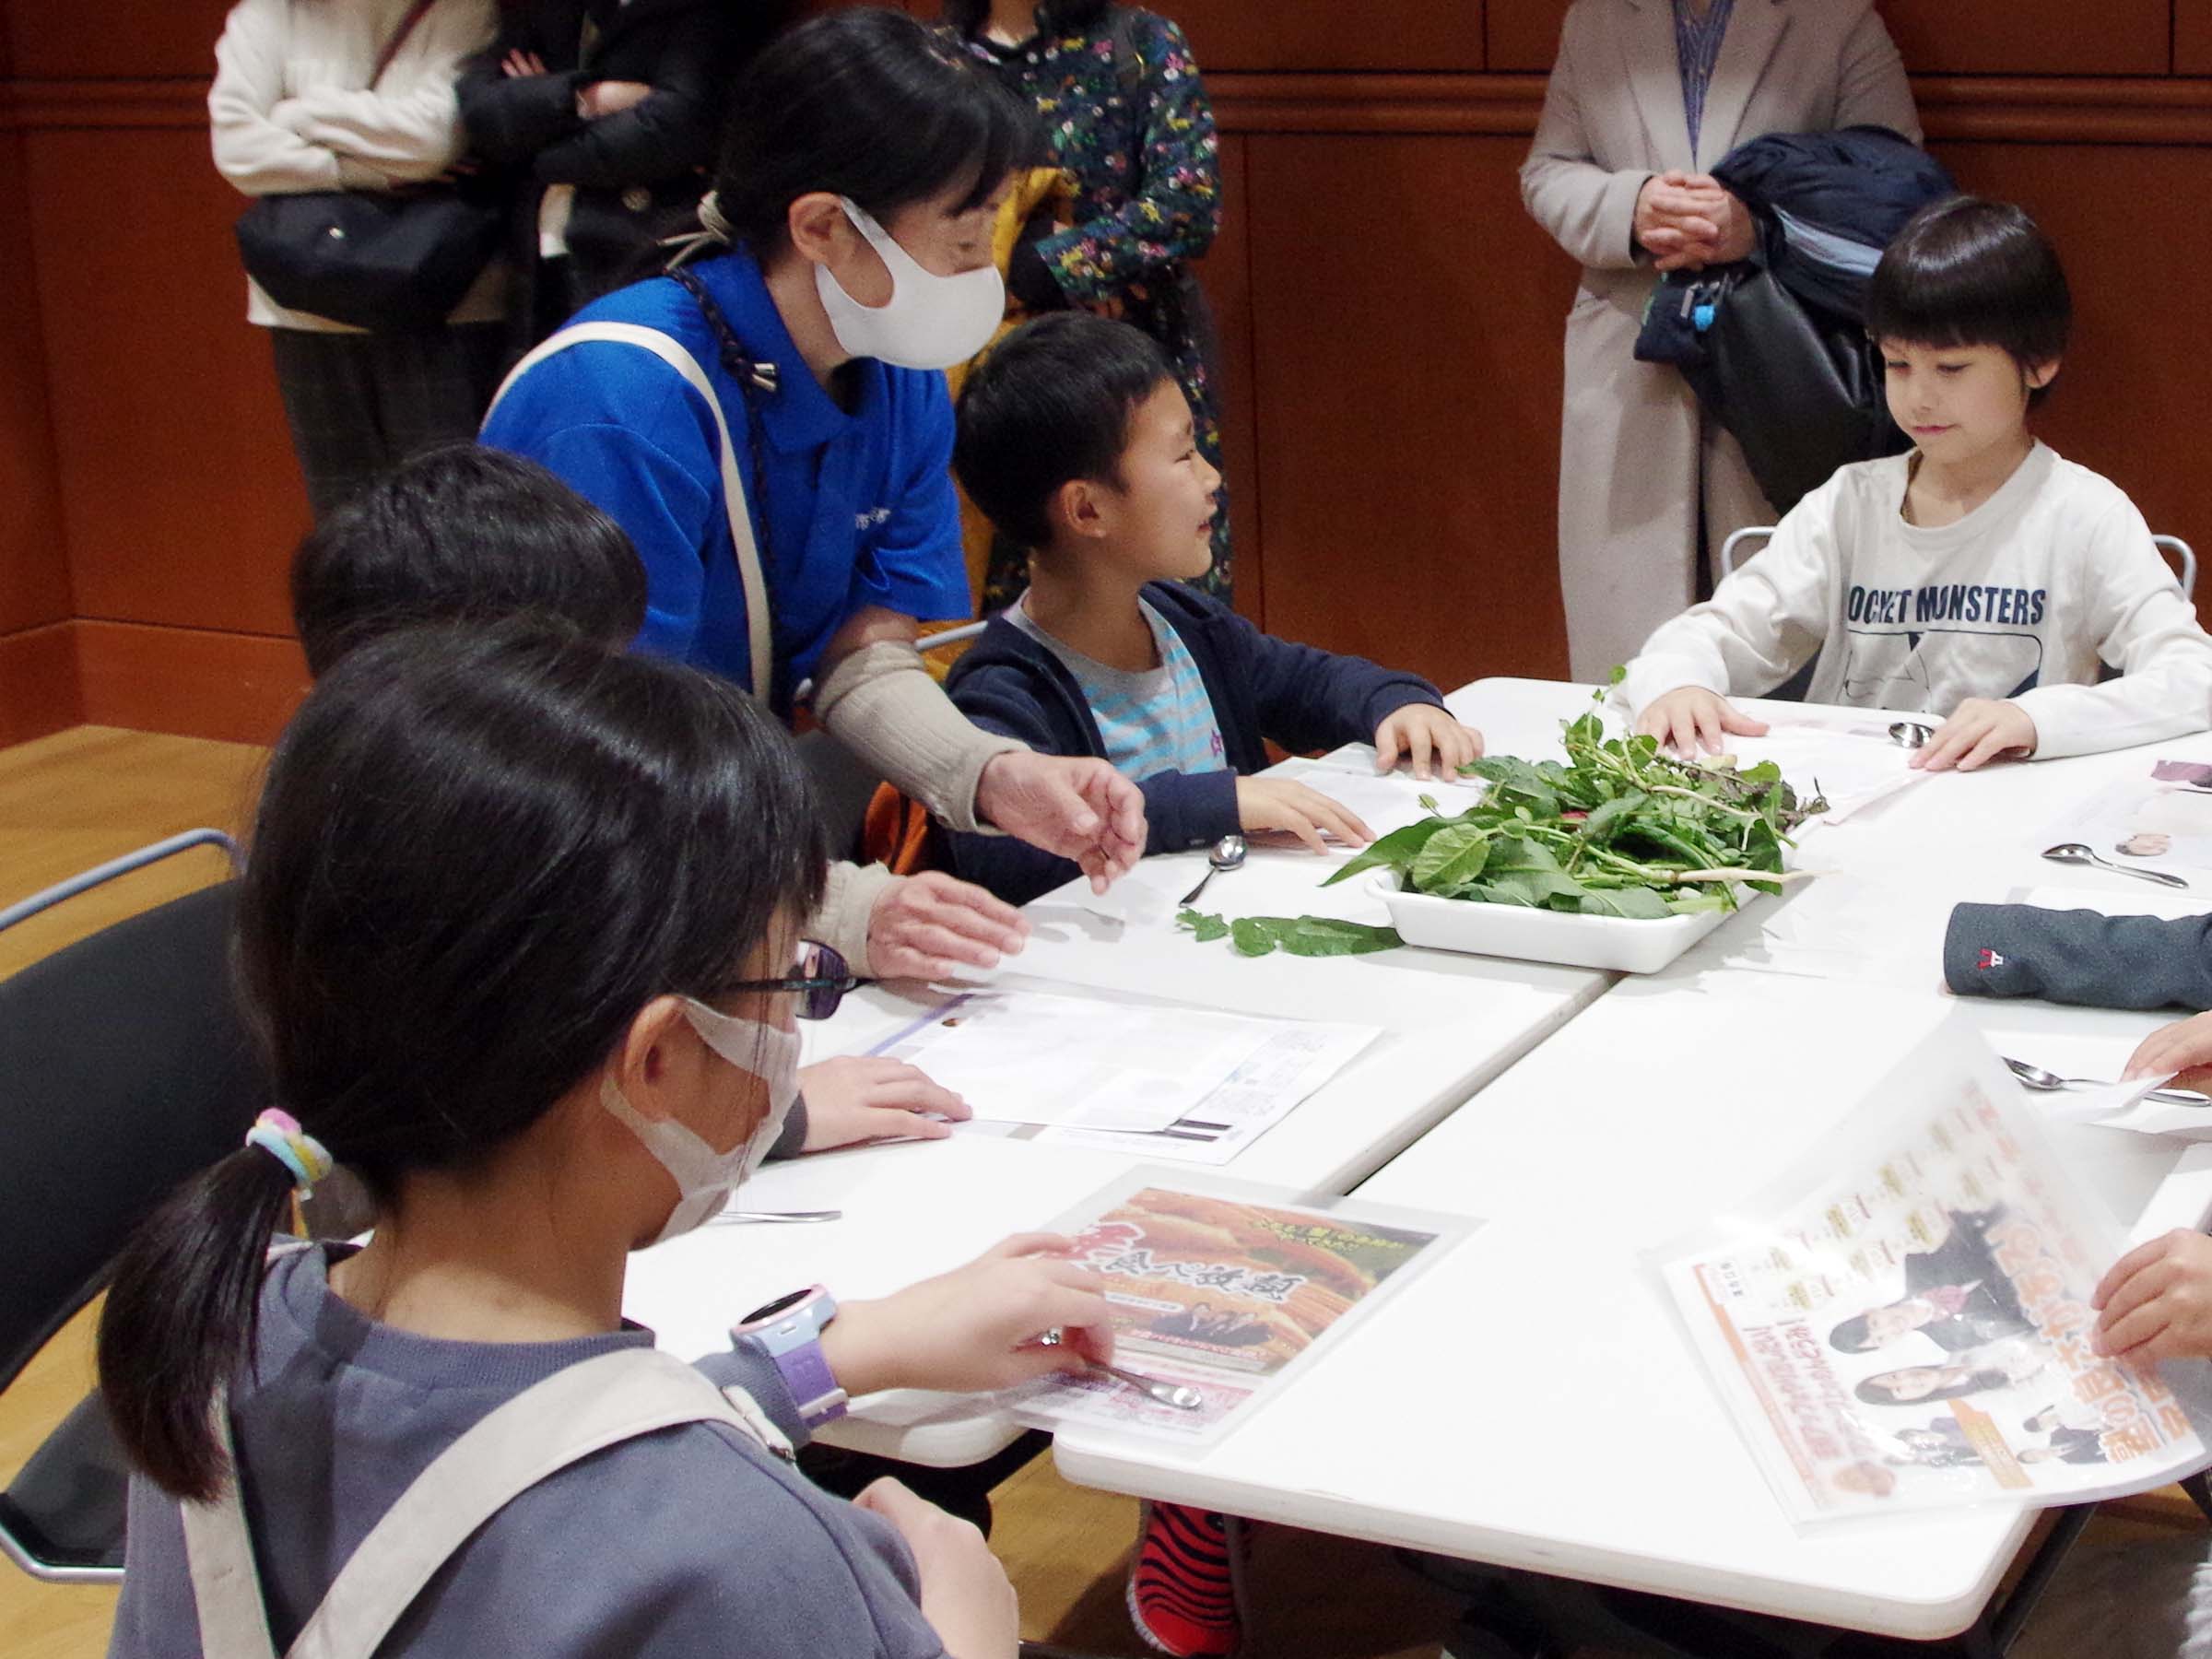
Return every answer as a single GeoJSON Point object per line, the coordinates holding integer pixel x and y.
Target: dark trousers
{"type": "Point", "coordinates": [361, 404]}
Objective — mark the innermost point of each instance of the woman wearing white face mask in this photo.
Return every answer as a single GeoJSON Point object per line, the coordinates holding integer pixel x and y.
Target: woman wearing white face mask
{"type": "Point", "coordinates": [769, 424]}
{"type": "Point", "coordinates": [519, 932]}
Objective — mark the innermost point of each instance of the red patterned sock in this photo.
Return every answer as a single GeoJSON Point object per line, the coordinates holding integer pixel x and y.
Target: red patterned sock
{"type": "Point", "coordinates": [1183, 1591]}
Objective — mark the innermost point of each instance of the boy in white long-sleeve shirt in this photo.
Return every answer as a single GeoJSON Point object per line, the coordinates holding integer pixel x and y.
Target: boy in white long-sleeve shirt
{"type": "Point", "coordinates": [1980, 577]}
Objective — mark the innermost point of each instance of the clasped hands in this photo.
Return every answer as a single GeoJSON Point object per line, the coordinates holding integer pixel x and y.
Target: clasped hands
{"type": "Point", "coordinates": [1687, 221]}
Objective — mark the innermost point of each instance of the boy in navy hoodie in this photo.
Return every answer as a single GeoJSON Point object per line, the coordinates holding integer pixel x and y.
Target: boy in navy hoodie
{"type": "Point", "coordinates": [1075, 441]}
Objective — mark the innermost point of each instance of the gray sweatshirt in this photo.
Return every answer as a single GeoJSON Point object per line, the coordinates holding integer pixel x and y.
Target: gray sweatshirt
{"type": "Point", "coordinates": [689, 1541]}
{"type": "Point", "coordinates": [2078, 956]}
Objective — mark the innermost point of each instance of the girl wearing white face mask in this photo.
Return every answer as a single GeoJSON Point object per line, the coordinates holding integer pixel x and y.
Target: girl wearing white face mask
{"type": "Point", "coordinates": [518, 931]}
{"type": "Point", "coordinates": [769, 422]}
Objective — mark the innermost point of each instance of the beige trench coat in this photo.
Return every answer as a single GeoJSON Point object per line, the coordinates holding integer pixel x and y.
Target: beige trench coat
{"type": "Point", "coordinates": [1635, 459]}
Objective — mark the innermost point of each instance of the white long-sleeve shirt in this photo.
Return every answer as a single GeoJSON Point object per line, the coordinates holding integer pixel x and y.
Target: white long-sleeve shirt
{"type": "Point", "coordinates": [2021, 599]}
{"type": "Point", "coordinates": [290, 111]}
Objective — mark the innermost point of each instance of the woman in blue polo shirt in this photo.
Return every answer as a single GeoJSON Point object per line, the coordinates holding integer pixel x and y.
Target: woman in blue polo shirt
{"type": "Point", "coordinates": [796, 370]}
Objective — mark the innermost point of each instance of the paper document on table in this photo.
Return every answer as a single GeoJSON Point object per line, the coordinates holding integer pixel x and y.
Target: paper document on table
{"type": "Point", "coordinates": [1030, 1057]}
{"type": "Point", "coordinates": [2160, 819]}
{"type": "Point", "coordinates": [1883, 927]}
{"type": "Point", "coordinates": [1224, 1289]}
{"type": "Point", "coordinates": [1383, 801]}
{"type": "Point", "coordinates": [2123, 1106]}
{"type": "Point", "coordinates": [1903, 1320]}
{"type": "Point", "coordinates": [1271, 1083]}
{"type": "Point", "coordinates": [1852, 763]}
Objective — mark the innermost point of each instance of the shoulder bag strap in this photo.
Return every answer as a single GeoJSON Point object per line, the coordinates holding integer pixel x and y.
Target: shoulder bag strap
{"type": "Point", "coordinates": [566, 1418]}
{"type": "Point", "coordinates": [415, 14]}
{"type": "Point", "coordinates": [733, 479]}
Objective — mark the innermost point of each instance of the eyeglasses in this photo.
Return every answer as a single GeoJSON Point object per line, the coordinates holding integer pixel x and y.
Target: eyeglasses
{"type": "Point", "coordinates": [821, 980]}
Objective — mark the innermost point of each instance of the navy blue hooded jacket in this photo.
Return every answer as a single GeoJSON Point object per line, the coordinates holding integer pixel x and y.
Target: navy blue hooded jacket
{"type": "Point", "coordinates": [1262, 688]}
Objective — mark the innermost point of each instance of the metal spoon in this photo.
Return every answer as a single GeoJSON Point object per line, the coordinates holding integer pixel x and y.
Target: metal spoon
{"type": "Point", "coordinates": [1177, 1394]}
{"type": "Point", "coordinates": [1228, 854]}
{"type": "Point", "coordinates": [1909, 733]}
{"type": "Point", "coordinates": [2035, 1076]}
{"type": "Point", "coordinates": [730, 1218]}
{"type": "Point", "coordinates": [2075, 853]}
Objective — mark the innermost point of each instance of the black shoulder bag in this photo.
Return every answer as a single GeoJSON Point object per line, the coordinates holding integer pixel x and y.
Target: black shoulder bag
{"type": "Point", "coordinates": [380, 260]}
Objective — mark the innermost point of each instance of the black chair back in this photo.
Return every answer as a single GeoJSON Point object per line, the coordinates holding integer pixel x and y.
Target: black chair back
{"type": "Point", "coordinates": [124, 1067]}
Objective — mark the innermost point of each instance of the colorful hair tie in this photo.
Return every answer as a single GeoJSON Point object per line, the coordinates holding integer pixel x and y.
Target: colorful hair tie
{"type": "Point", "coordinates": [278, 1134]}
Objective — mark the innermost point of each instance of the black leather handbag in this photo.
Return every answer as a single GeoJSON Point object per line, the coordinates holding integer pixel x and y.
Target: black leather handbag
{"type": "Point", "coordinates": [380, 260]}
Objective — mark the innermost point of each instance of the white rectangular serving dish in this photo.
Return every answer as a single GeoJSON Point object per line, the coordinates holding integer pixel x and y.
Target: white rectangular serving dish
{"type": "Point", "coordinates": [1616, 943]}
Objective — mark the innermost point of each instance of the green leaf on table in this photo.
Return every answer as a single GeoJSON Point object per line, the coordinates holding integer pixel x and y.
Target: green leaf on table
{"type": "Point", "coordinates": [1251, 935]}
{"type": "Point", "coordinates": [1207, 927]}
{"type": "Point", "coordinates": [1298, 936]}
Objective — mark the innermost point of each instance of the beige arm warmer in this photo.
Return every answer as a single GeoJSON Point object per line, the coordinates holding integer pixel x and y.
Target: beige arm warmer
{"type": "Point", "coordinates": [881, 703]}
{"type": "Point", "coordinates": [841, 921]}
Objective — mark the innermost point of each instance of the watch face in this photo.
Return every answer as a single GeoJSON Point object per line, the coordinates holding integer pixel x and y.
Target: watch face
{"type": "Point", "coordinates": [783, 1304]}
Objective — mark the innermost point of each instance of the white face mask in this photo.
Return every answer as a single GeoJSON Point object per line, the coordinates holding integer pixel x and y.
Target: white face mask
{"type": "Point", "coordinates": [932, 321]}
{"type": "Point", "coordinates": [705, 1178]}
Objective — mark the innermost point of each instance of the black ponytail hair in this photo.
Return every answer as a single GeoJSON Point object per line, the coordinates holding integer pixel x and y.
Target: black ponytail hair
{"type": "Point", "coordinates": [865, 103]}
{"type": "Point", "coordinates": [478, 854]}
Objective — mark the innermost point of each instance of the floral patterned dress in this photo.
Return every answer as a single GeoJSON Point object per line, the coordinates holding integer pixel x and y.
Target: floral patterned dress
{"type": "Point", "coordinates": [1130, 123]}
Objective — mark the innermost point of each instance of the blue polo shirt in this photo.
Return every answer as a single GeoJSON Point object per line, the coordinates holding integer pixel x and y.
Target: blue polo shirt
{"type": "Point", "coordinates": [859, 507]}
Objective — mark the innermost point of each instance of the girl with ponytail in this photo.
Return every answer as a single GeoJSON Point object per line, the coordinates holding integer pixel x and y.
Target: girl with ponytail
{"type": "Point", "coordinates": [518, 933]}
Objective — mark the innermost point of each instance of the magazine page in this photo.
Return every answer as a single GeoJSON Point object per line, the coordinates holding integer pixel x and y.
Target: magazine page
{"type": "Point", "coordinates": [1904, 1322]}
{"type": "Point", "coordinates": [1220, 1289]}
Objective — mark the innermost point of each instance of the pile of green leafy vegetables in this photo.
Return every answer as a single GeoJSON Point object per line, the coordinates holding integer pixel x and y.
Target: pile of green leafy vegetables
{"type": "Point", "coordinates": [1619, 829]}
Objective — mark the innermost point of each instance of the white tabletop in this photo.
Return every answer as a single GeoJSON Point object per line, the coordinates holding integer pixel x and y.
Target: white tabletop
{"type": "Point", "coordinates": [1567, 1427]}
{"type": "Point", "coordinates": [1451, 1023]}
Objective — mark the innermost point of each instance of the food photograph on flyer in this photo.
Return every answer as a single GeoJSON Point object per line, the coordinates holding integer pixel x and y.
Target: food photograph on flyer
{"type": "Point", "coordinates": [1915, 1331]}
{"type": "Point", "coordinates": [1217, 1294]}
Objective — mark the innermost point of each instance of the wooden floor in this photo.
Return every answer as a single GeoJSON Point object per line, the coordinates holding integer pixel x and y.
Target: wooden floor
{"type": "Point", "coordinates": [71, 801]}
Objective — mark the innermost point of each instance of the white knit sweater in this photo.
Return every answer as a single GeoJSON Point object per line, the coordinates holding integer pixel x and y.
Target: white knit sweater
{"type": "Point", "coordinates": [290, 111]}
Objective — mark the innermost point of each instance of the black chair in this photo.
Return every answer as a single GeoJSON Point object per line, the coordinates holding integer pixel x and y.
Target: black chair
{"type": "Point", "coordinates": [124, 1067]}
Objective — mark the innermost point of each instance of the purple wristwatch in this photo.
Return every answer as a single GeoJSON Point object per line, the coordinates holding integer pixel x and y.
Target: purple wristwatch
{"type": "Point", "coordinates": [790, 1328]}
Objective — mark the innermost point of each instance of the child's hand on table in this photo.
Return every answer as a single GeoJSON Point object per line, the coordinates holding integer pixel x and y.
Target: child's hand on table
{"type": "Point", "coordinates": [1264, 803]}
{"type": "Point", "coordinates": [978, 1327]}
{"type": "Point", "coordinates": [932, 924]}
{"type": "Point", "coordinates": [2180, 1047]}
{"type": "Point", "coordinates": [866, 1097]}
{"type": "Point", "coordinates": [1689, 719]}
{"type": "Point", "coordinates": [1979, 730]}
{"type": "Point", "coordinates": [1417, 731]}
{"type": "Point", "coordinates": [2156, 1303]}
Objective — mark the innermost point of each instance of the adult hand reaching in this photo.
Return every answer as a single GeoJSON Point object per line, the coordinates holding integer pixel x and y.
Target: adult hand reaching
{"type": "Point", "coordinates": [1079, 809]}
{"type": "Point", "coordinates": [929, 926]}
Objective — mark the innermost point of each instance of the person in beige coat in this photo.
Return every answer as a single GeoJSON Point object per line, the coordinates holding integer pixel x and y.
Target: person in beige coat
{"type": "Point", "coordinates": [1615, 177]}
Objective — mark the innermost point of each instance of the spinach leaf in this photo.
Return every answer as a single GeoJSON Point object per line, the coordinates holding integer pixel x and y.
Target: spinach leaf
{"type": "Point", "coordinates": [1395, 851]}
{"type": "Point", "coordinates": [1298, 936]}
{"type": "Point", "coordinates": [1454, 856]}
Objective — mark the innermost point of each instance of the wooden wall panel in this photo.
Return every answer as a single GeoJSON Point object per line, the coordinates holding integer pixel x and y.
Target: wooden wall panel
{"type": "Point", "coordinates": [1326, 34]}
{"type": "Point", "coordinates": [1227, 275]}
{"type": "Point", "coordinates": [2007, 37]}
{"type": "Point", "coordinates": [1408, 383]}
{"type": "Point", "coordinates": [119, 39]}
{"type": "Point", "coordinates": [1936, 37]}
{"type": "Point", "coordinates": [238, 688]}
{"type": "Point", "coordinates": [39, 689]}
{"type": "Point", "coordinates": [182, 500]}
{"type": "Point", "coordinates": [34, 571]}
{"type": "Point", "coordinates": [2133, 398]}
{"type": "Point", "coordinates": [2193, 37]}
{"type": "Point", "coordinates": [1524, 34]}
